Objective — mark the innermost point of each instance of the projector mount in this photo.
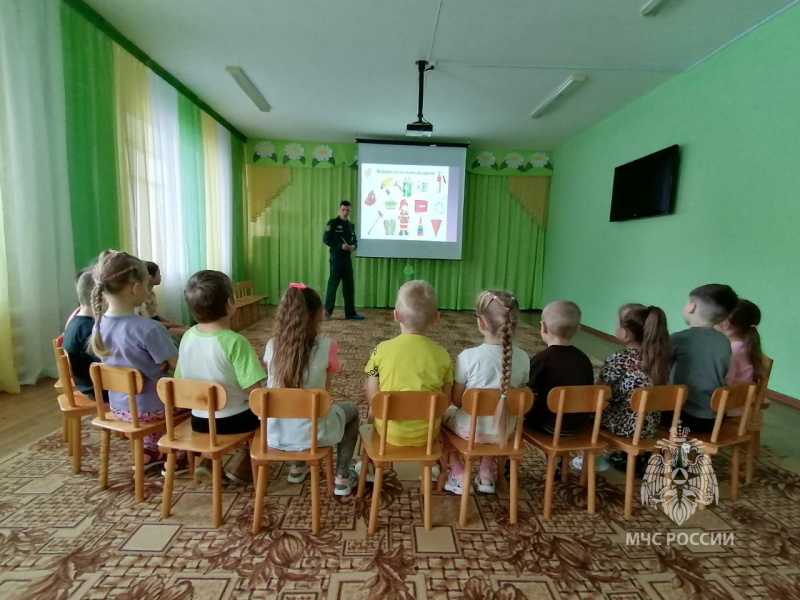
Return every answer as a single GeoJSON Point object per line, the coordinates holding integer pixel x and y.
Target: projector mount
{"type": "Point", "coordinates": [421, 127]}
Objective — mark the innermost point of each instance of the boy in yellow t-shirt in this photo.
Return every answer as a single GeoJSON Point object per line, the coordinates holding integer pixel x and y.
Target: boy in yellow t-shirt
{"type": "Point", "coordinates": [411, 362]}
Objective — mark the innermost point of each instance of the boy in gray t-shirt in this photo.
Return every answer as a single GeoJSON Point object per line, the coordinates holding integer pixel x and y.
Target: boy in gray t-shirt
{"type": "Point", "coordinates": [701, 355]}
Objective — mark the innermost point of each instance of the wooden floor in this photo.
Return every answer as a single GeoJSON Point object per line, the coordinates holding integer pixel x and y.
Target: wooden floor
{"type": "Point", "coordinates": [28, 416]}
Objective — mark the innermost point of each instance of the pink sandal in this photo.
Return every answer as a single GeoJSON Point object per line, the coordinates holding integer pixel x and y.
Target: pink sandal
{"type": "Point", "coordinates": [455, 483]}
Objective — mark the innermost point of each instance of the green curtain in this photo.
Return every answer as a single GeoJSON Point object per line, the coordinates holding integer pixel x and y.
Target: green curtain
{"type": "Point", "coordinates": [91, 140]}
{"type": "Point", "coordinates": [239, 217]}
{"type": "Point", "coordinates": [503, 246]}
{"type": "Point", "coordinates": [192, 182]}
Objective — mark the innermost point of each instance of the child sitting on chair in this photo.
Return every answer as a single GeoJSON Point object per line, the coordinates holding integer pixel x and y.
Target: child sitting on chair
{"type": "Point", "coordinates": [176, 330]}
{"type": "Point", "coordinates": [411, 362]}
{"type": "Point", "coordinates": [561, 364]}
{"type": "Point", "coordinates": [122, 339]}
{"type": "Point", "coordinates": [211, 351]}
{"type": "Point", "coordinates": [495, 364]}
{"type": "Point", "coordinates": [701, 355]}
{"type": "Point", "coordinates": [77, 335]}
{"type": "Point", "coordinates": [297, 358]}
{"type": "Point", "coordinates": [747, 359]}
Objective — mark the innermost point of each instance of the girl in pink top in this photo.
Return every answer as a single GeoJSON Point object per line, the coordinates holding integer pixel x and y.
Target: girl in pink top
{"type": "Point", "coordinates": [741, 328]}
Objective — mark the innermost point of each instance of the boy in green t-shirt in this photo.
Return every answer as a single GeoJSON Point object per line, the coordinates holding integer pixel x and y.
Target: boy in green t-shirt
{"type": "Point", "coordinates": [411, 362]}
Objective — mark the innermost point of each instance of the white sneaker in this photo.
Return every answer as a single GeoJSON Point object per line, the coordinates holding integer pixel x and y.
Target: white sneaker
{"type": "Point", "coordinates": [299, 475]}
{"type": "Point", "coordinates": [482, 486]}
{"type": "Point", "coordinates": [370, 472]}
{"type": "Point", "coordinates": [577, 463]}
{"type": "Point", "coordinates": [436, 470]}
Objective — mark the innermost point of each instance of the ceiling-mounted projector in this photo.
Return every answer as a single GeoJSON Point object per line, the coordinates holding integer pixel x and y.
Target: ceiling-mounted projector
{"type": "Point", "coordinates": [420, 127]}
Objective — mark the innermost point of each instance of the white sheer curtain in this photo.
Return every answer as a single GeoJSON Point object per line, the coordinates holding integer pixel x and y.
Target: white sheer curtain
{"type": "Point", "coordinates": [33, 173]}
{"type": "Point", "coordinates": [167, 226]}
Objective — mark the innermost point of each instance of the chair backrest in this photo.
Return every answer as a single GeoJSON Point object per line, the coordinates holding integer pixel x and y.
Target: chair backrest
{"type": "Point", "coordinates": [657, 399]}
{"type": "Point", "coordinates": [578, 399]}
{"type": "Point", "coordinates": [65, 374]}
{"type": "Point", "coordinates": [195, 395]}
{"type": "Point", "coordinates": [289, 403]}
{"type": "Point", "coordinates": [122, 380]}
{"type": "Point", "coordinates": [409, 406]}
{"type": "Point", "coordinates": [58, 342]}
{"type": "Point", "coordinates": [730, 397]}
{"type": "Point", "coordinates": [244, 288]}
{"type": "Point", "coordinates": [483, 403]}
{"type": "Point", "coordinates": [760, 402]}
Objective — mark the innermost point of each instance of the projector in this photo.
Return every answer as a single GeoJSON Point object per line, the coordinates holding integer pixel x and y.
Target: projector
{"type": "Point", "coordinates": [419, 129]}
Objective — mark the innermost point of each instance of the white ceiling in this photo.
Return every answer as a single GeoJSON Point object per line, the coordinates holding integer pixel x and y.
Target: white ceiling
{"type": "Point", "coordinates": [336, 69]}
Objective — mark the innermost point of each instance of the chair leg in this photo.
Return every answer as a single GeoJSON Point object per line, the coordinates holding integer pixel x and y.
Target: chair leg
{"type": "Point", "coordinates": [591, 482]}
{"type": "Point", "coordinates": [138, 461]}
{"type": "Point", "coordinates": [750, 460]}
{"type": "Point", "coordinates": [513, 506]}
{"type": "Point", "coordinates": [735, 473]}
{"type": "Point", "coordinates": [65, 432]}
{"type": "Point", "coordinates": [427, 485]}
{"type": "Point", "coordinates": [362, 477]}
{"type": "Point", "coordinates": [217, 490]}
{"type": "Point", "coordinates": [169, 481]}
{"type": "Point", "coordinates": [105, 443]}
{"type": "Point", "coordinates": [75, 442]}
{"type": "Point", "coordinates": [376, 499]}
{"type": "Point", "coordinates": [564, 468]}
{"type": "Point", "coordinates": [445, 468]}
{"type": "Point", "coordinates": [584, 470]}
{"type": "Point", "coordinates": [190, 460]}
{"type": "Point", "coordinates": [757, 440]}
{"type": "Point", "coordinates": [629, 477]}
{"type": "Point", "coordinates": [548, 486]}
{"type": "Point", "coordinates": [467, 484]}
{"type": "Point", "coordinates": [315, 509]}
{"type": "Point", "coordinates": [261, 489]}
{"type": "Point", "coordinates": [329, 473]}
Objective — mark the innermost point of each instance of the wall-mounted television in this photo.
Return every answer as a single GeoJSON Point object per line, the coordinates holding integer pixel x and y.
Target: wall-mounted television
{"type": "Point", "coordinates": [646, 186]}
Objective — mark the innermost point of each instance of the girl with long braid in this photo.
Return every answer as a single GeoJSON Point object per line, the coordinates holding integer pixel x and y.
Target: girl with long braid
{"type": "Point", "coordinates": [120, 338]}
{"type": "Point", "coordinates": [495, 364]}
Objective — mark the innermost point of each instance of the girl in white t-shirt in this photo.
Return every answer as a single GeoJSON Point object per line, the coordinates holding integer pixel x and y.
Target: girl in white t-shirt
{"type": "Point", "coordinates": [495, 364]}
{"type": "Point", "coordinates": [297, 358]}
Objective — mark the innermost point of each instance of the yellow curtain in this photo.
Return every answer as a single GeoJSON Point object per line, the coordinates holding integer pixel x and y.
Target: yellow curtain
{"type": "Point", "coordinates": [212, 175]}
{"type": "Point", "coordinates": [264, 184]}
{"type": "Point", "coordinates": [533, 194]}
{"type": "Point", "coordinates": [134, 150]}
{"type": "Point", "coordinates": [8, 374]}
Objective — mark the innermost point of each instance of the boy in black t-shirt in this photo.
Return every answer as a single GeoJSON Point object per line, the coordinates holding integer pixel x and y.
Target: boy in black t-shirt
{"type": "Point", "coordinates": [77, 334]}
{"type": "Point", "coordinates": [559, 365]}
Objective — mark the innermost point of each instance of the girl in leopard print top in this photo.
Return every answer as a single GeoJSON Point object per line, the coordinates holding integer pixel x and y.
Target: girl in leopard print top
{"type": "Point", "coordinates": [644, 362]}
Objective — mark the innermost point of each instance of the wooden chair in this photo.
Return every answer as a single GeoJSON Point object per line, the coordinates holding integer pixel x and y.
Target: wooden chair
{"type": "Point", "coordinates": [247, 303]}
{"type": "Point", "coordinates": [731, 434]}
{"type": "Point", "coordinates": [59, 387]}
{"type": "Point", "coordinates": [124, 381]}
{"type": "Point", "coordinates": [74, 405]}
{"type": "Point", "coordinates": [483, 403]}
{"type": "Point", "coordinates": [564, 400]}
{"type": "Point", "coordinates": [756, 421]}
{"type": "Point", "coordinates": [643, 401]}
{"type": "Point", "coordinates": [290, 404]}
{"type": "Point", "coordinates": [195, 395]}
{"type": "Point", "coordinates": [401, 406]}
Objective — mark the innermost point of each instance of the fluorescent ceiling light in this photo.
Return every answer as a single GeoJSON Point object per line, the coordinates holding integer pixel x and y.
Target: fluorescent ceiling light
{"type": "Point", "coordinates": [248, 88]}
{"type": "Point", "coordinates": [572, 81]}
{"type": "Point", "coordinates": [651, 7]}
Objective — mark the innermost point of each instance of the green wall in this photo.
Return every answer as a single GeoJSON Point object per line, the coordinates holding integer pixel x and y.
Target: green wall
{"type": "Point", "coordinates": [737, 219]}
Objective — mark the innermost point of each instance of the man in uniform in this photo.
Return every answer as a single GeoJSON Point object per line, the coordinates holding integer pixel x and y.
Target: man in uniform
{"type": "Point", "coordinates": [340, 237]}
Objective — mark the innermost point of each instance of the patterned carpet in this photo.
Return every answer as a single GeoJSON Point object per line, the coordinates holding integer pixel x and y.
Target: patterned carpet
{"type": "Point", "coordinates": [60, 537]}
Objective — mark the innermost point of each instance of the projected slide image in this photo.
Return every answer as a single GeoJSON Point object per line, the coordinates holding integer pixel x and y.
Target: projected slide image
{"type": "Point", "coordinates": [406, 202]}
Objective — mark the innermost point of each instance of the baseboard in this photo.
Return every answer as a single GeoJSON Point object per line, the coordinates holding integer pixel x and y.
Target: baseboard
{"type": "Point", "coordinates": [772, 395]}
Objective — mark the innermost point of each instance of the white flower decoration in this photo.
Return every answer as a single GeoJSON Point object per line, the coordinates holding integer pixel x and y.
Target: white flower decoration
{"type": "Point", "coordinates": [514, 160]}
{"type": "Point", "coordinates": [539, 159]}
{"type": "Point", "coordinates": [486, 159]}
{"type": "Point", "coordinates": [323, 153]}
{"type": "Point", "coordinates": [294, 151]}
{"type": "Point", "coordinates": [265, 149]}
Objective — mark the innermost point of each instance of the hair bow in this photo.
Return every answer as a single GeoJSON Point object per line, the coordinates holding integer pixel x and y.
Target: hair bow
{"type": "Point", "coordinates": [299, 286]}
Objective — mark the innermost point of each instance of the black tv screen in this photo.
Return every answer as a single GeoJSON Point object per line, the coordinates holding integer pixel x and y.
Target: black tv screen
{"type": "Point", "coordinates": [646, 187]}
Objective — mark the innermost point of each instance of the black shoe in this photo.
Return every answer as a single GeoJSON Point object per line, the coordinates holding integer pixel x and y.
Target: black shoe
{"type": "Point", "coordinates": [355, 318]}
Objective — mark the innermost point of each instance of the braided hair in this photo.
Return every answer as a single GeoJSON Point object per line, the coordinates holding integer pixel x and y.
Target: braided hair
{"type": "Point", "coordinates": [112, 273]}
{"type": "Point", "coordinates": [499, 312]}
